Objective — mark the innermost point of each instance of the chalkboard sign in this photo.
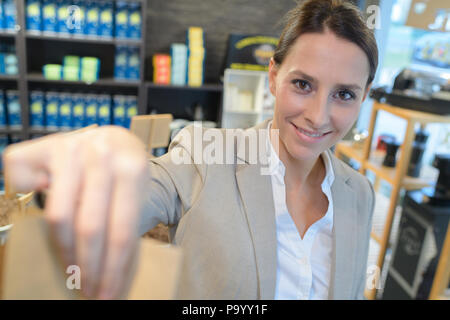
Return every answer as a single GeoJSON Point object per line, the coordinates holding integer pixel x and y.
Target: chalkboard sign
{"type": "Point", "coordinates": [409, 247]}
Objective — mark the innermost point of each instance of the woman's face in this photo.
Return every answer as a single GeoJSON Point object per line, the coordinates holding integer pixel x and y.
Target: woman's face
{"type": "Point", "coordinates": [319, 88]}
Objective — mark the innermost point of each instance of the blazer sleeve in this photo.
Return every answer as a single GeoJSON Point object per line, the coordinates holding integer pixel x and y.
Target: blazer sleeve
{"type": "Point", "coordinates": [173, 187]}
{"type": "Point", "coordinates": [368, 228]}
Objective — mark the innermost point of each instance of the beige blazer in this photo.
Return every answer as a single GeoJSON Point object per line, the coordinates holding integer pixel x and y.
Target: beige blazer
{"type": "Point", "coordinates": [223, 217]}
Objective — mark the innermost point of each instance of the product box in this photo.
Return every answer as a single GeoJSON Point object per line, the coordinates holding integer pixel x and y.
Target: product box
{"type": "Point", "coordinates": [10, 63]}
{"type": "Point", "coordinates": [65, 111]}
{"type": "Point", "coordinates": [51, 110]}
{"type": "Point", "coordinates": [104, 109]}
{"type": "Point", "coordinates": [37, 109]}
{"type": "Point", "coordinates": [33, 11]}
{"type": "Point", "coordinates": [3, 121]}
{"type": "Point", "coordinates": [78, 110]}
{"type": "Point", "coordinates": [121, 62]}
{"type": "Point", "coordinates": [78, 19]}
{"type": "Point", "coordinates": [91, 107]}
{"type": "Point", "coordinates": [90, 69]}
{"type": "Point", "coordinates": [178, 52]}
{"type": "Point", "coordinates": [2, 62]}
{"type": "Point", "coordinates": [13, 107]}
{"type": "Point", "coordinates": [119, 110]}
{"type": "Point", "coordinates": [161, 68]}
{"type": "Point", "coordinates": [121, 19]}
{"type": "Point", "coordinates": [92, 18]}
{"type": "Point", "coordinates": [131, 109]}
{"type": "Point", "coordinates": [2, 18]}
{"type": "Point", "coordinates": [9, 14]}
{"type": "Point", "coordinates": [106, 22]}
{"type": "Point", "coordinates": [49, 16]}
{"type": "Point", "coordinates": [64, 18]}
{"type": "Point", "coordinates": [52, 71]}
{"type": "Point", "coordinates": [134, 20]}
{"type": "Point", "coordinates": [133, 67]}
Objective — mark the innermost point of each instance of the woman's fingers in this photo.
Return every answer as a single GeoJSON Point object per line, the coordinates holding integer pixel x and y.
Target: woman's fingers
{"type": "Point", "coordinates": [62, 200]}
{"type": "Point", "coordinates": [92, 217]}
{"type": "Point", "coordinates": [123, 227]}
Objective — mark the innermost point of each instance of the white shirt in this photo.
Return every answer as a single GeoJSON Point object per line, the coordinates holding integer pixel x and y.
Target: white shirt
{"type": "Point", "coordinates": [303, 265]}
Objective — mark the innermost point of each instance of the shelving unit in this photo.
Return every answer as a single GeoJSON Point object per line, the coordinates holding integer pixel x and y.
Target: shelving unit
{"type": "Point", "coordinates": [245, 98]}
{"type": "Point", "coordinates": [27, 78]}
{"type": "Point", "coordinates": [370, 159]}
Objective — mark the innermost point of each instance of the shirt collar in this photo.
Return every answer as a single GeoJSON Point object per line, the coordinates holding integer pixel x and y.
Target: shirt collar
{"type": "Point", "coordinates": [276, 165]}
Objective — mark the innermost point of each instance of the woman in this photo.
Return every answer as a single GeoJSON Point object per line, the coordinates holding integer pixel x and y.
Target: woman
{"type": "Point", "coordinates": [299, 230]}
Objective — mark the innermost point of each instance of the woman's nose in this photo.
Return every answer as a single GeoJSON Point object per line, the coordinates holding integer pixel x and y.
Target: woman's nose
{"type": "Point", "coordinates": [317, 114]}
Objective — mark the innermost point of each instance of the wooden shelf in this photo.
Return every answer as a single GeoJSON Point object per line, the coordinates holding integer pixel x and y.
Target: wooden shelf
{"type": "Point", "coordinates": [111, 82]}
{"type": "Point", "coordinates": [412, 115]}
{"type": "Point", "coordinates": [83, 39]}
{"type": "Point", "coordinates": [8, 77]}
{"type": "Point", "coordinates": [7, 130]}
{"type": "Point", "coordinates": [205, 87]}
{"type": "Point", "coordinates": [347, 149]}
{"type": "Point", "coordinates": [8, 33]}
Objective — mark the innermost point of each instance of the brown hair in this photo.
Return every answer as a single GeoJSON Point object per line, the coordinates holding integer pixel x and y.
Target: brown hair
{"type": "Point", "coordinates": [341, 17]}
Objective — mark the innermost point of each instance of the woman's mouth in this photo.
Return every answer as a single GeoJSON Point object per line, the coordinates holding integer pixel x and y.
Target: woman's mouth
{"type": "Point", "coordinates": [310, 136]}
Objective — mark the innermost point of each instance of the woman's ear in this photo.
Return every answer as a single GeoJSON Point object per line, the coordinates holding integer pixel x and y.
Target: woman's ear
{"type": "Point", "coordinates": [273, 69]}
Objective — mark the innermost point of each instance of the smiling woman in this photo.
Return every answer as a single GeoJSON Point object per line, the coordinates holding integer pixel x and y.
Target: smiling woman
{"type": "Point", "coordinates": [300, 232]}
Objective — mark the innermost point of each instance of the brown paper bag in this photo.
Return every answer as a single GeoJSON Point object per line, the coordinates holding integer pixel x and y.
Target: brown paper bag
{"type": "Point", "coordinates": [33, 271]}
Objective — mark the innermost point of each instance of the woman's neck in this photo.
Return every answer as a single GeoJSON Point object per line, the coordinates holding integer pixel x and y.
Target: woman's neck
{"type": "Point", "coordinates": [299, 173]}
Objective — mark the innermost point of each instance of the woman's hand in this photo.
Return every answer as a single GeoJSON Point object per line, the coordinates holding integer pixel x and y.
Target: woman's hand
{"type": "Point", "coordinates": [95, 181]}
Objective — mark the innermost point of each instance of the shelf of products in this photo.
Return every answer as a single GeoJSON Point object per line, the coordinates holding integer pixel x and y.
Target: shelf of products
{"type": "Point", "coordinates": [111, 82]}
{"type": "Point", "coordinates": [84, 39]}
{"type": "Point", "coordinates": [370, 159]}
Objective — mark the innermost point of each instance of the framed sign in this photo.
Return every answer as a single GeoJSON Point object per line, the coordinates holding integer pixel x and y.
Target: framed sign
{"type": "Point", "coordinates": [432, 15]}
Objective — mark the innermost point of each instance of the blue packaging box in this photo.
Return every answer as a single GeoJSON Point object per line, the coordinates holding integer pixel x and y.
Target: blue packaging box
{"type": "Point", "coordinates": [77, 18]}
{"type": "Point", "coordinates": [133, 66]}
{"type": "Point", "coordinates": [10, 63]}
{"type": "Point", "coordinates": [34, 15]}
{"type": "Point", "coordinates": [13, 107]}
{"type": "Point", "coordinates": [65, 110]}
{"type": "Point", "coordinates": [78, 110]}
{"type": "Point", "coordinates": [121, 62]}
{"type": "Point", "coordinates": [106, 22]}
{"type": "Point", "coordinates": [64, 19]}
{"type": "Point", "coordinates": [2, 63]}
{"type": "Point", "coordinates": [121, 19]}
{"type": "Point", "coordinates": [104, 109]}
{"type": "Point", "coordinates": [91, 107]}
{"type": "Point", "coordinates": [49, 16]}
{"type": "Point", "coordinates": [2, 19]}
{"type": "Point", "coordinates": [131, 107]}
{"type": "Point", "coordinates": [9, 14]}
{"type": "Point", "coordinates": [51, 110]}
{"type": "Point", "coordinates": [92, 18]}
{"type": "Point", "coordinates": [2, 109]}
{"type": "Point", "coordinates": [119, 110]}
{"type": "Point", "coordinates": [37, 109]}
{"type": "Point", "coordinates": [134, 20]}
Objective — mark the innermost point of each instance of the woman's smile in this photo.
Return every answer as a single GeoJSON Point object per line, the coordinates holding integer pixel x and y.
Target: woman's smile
{"type": "Point", "coordinates": [309, 136]}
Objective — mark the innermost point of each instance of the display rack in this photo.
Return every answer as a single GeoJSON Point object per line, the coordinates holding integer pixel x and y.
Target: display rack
{"type": "Point", "coordinates": [370, 159]}
{"type": "Point", "coordinates": [25, 77]}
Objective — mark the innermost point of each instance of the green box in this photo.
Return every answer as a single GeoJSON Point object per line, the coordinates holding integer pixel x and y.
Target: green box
{"type": "Point", "coordinates": [71, 73]}
{"type": "Point", "coordinates": [72, 61]}
{"type": "Point", "coordinates": [88, 76]}
{"type": "Point", "coordinates": [52, 71]}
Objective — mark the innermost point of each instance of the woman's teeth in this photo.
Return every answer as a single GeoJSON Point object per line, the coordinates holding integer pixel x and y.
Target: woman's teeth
{"type": "Point", "coordinates": [313, 135]}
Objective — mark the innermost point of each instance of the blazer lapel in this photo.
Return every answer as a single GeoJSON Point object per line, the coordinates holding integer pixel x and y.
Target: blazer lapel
{"type": "Point", "coordinates": [257, 198]}
{"type": "Point", "coordinates": [344, 235]}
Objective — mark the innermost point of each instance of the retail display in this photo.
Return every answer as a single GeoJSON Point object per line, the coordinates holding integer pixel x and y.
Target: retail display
{"type": "Point", "coordinates": [417, 153]}
{"type": "Point", "coordinates": [90, 18]}
{"type": "Point", "coordinates": [179, 54]}
{"type": "Point", "coordinates": [9, 15]}
{"type": "Point", "coordinates": [161, 68]}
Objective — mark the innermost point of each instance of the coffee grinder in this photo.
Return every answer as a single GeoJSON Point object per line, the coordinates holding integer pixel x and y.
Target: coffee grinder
{"type": "Point", "coordinates": [421, 234]}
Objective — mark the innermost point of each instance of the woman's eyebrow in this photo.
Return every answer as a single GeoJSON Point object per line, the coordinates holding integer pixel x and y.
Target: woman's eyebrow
{"type": "Point", "coordinates": [313, 80]}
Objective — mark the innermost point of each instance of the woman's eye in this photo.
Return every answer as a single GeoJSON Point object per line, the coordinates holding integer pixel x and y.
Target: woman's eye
{"type": "Point", "coordinates": [346, 95]}
{"type": "Point", "coordinates": [301, 84]}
